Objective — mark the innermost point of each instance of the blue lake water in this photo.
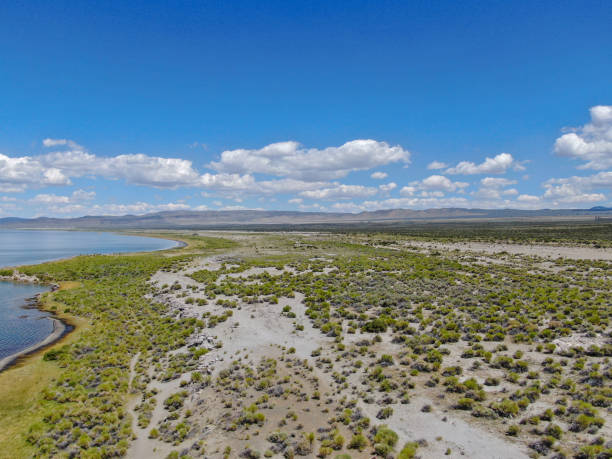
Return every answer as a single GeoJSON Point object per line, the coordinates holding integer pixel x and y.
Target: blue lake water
{"type": "Point", "coordinates": [22, 327]}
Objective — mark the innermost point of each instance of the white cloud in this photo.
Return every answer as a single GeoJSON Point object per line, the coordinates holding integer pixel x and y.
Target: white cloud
{"type": "Point", "coordinates": [137, 208]}
{"type": "Point", "coordinates": [495, 182]}
{"type": "Point", "coordinates": [77, 205]}
{"type": "Point", "coordinates": [50, 199]}
{"type": "Point", "coordinates": [431, 194]}
{"type": "Point", "coordinates": [490, 188]}
{"type": "Point", "coordinates": [340, 191]}
{"type": "Point", "coordinates": [434, 165]}
{"type": "Point", "coordinates": [298, 168]}
{"type": "Point", "coordinates": [231, 182]}
{"type": "Point", "coordinates": [82, 195]}
{"type": "Point", "coordinates": [387, 187]}
{"type": "Point", "coordinates": [408, 191]}
{"type": "Point", "coordinates": [56, 168]}
{"type": "Point", "coordinates": [17, 174]}
{"type": "Point", "coordinates": [77, 197]}
{"type": "Point", "coordinates": [379, 175]}
{"type": "Point", "coordinates": [61, 142]}
{"type": "Point", "coordinates": [136, 169]}
{"type": "Point", "coordinates": [240, 208]}
{"type": "Point", "coordinates": [442, 183]}
{"type": "Point", "coordinates": [497, 165]}
{"type": "Point", "coordinates": [528, 198]}
{"type": "Point", "coordinates": [403, 203]}
{"type": "Point", "coordinates": [289, 159]}
{"type": "Point", "coordinates": [592, 142]}
{"type": "Point", "coordinates": [286, 186]}
{"type": "Point", "coordinates": [579, 189]}
{"type": "Point", "coordinates": [568, 193]}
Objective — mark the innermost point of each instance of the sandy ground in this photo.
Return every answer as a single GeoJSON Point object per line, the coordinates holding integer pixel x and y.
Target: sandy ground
{"type": "Point", "coordinates": [443, 431]}
{"type": "Point", "coordinates": [544, 251]}
{"type": "Point", "coordinates": [255, 329]}
{"type": "Point", "coordinates": [143, 447]}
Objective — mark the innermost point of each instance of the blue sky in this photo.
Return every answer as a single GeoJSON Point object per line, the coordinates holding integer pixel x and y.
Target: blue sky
{"type": "Point", "coordinates": [133, 107]}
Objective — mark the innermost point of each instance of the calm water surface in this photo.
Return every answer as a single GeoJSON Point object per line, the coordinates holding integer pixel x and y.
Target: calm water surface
{"type": "Point", "coordinates": [22, 327]}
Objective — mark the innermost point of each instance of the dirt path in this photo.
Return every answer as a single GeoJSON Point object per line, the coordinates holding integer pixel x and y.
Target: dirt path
{"type": "Point", "coordinates": [142, 447]}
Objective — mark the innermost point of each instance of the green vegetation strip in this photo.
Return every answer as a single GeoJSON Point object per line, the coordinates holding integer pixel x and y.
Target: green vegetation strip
{"type": "Point", "coordinates": [82, 411]}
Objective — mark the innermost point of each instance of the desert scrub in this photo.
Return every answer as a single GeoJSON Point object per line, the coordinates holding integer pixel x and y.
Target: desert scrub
{"type": "Point", "coordinates": [408, 312]}
{"type": "Point", "coordinates": [408, 451]}
{"type": "Point", "coordinates": [175, 401]}
{"type": "Point", "coordinates": [384, 441]}
{"type": "Point", "coordinates": [250, 416]}
{"type": "Point", "coordinates": [91, 389]}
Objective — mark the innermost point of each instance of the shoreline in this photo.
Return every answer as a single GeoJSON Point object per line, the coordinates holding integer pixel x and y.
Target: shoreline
{"type": "Point", "coordinates": [179, 244]}
{"type": "Point", "coordinates": [61, 328]}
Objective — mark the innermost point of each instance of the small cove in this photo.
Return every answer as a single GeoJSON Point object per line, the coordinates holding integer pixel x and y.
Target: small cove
{"type": "Point", "coordinates": [21, 324]}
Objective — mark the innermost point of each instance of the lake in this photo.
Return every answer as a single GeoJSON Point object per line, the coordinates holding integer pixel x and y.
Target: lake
{"type": "Point", "coordinates": [22, 327]}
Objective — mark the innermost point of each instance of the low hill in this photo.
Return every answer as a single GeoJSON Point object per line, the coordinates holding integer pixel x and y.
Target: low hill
{"type": "Point", "coordinates": [259, 218]}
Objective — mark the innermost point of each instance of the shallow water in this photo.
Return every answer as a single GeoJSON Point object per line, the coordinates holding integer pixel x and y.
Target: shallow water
{"type": "Point", "coordinates": [22, 327]}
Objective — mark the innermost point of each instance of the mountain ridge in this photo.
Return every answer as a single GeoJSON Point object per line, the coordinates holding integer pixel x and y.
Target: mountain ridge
{"type": "Point", "coordinates": [178, 219]}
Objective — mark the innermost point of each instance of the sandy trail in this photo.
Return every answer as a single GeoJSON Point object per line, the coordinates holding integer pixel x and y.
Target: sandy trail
{"type": "Point", "coordinates": [142, 447]}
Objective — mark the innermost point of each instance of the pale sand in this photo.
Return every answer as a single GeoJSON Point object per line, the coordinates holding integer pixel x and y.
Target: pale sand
{"type": "Point", "coordinates": [543, 251]}
{"type": "Point", "coordinates": [254, 328]}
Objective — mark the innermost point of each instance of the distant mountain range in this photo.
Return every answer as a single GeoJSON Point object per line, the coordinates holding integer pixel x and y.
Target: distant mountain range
{"type": "Point", "coordinates": [259, 218]}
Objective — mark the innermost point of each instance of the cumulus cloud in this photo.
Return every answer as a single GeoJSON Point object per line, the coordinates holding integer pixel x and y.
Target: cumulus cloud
{"type": "Point", "coordinates": [568, 193]}
{"type": "Point", "coordinates": [61, 142]}
{"type": "Point", "coordinates": [77, 197]}
{"type": "Point", "coordinates": [17, 174]}
{"type": "Point", "coordinates": [340, 191]}
{"type": "Point", "coordinates": [496, 182]}
{"type": "Point", "coordinates": [528, 198]}
{"type": "Point", "coordinates": [137, 208]}
{"type": "Point", "coordinates": [136, 169]}
{"type": "Point", "coordinates": [298, 169]}
{"type": "Point", "coordinates": [490, 188]}
{"type": "Point", "coordinates": [379, 175]}
{"type": "Point", "coordinates": [408, 191]}
{"type": "Point", "coordinates": [402, 203]}
{"type": "Point", "coordinates": [592, 142]}
{"type": "Point", "coordinates": [56, 168]}
{"type": "Point", "coordinates": [579, 189]}
{"type": "Point", "coordinates": [442, 183]}
{"type": "Point", "coordinates": [434, 165]}
{"type": "Point", "coordinates": [496, 165]}
{"type": "Point", "coordinates": [291, 160]}
{"type": "Point", "coordinates": [387, 187]}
